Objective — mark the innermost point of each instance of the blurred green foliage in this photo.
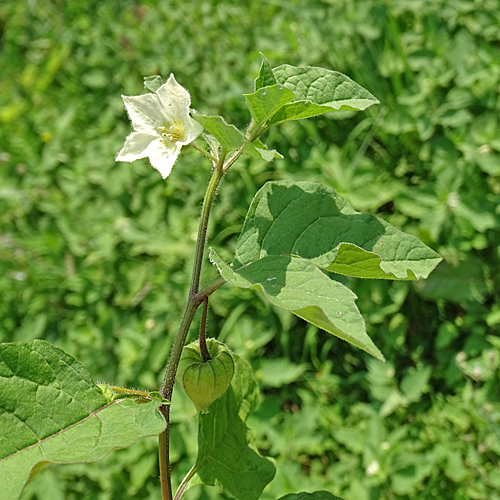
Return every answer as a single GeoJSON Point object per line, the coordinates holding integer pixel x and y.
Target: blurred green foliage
{"type": "Point", "coordinates": [95, 255]}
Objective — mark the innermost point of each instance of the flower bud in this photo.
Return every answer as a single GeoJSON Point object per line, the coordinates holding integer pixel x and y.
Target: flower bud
{"type": "Point", "coordinates": [205, 381]}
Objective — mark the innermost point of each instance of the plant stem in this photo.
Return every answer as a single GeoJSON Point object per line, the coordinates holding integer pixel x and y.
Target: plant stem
{"type": "Point", "coordinates": [164, 463]}
{"type": "Point", "coordinates": [195, 298]}
{"type": "Point", "coordinates": [185, 481]}
{"type": "Point", "coordinates": [204, 152]}
{"type": "Point", "coordinates": [202, 229]}
{"type": "Point", "coordinates": [207, 291]}
{"type": "Point", "coordinates": [203, 339]}
{"type": "Point", "coordinates": [234, 157]}
{"type": "Point", "coordinates": [167, 386]}
{"type": "Point", "coordinates": [129, 392]}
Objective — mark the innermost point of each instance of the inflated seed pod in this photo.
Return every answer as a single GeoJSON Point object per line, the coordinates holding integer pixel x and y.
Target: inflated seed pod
{"type": "Point", "coordinates": [205, 381]}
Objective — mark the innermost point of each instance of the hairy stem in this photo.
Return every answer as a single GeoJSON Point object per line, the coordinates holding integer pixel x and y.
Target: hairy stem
{"type": "Point", "coordinates": [194, 301]}
{"type": "Point", "coordinates": [203, 339]}
{"type": "Point", "coordinates": [202, 229]}
{"type": "Point", "coordinates": [195, 298]}
{"type": "Point", "coordinates": [234, 157]}
{"type": "Point", "coordinates": [204, 152]}
{"type": "Point", "coordinates": [207, 291]}
{"type": "Point", "coordinates": [128, 392]}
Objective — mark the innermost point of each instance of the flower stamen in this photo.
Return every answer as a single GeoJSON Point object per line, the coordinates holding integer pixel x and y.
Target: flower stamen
{"type": "Point", "coordinates": [176, 132]}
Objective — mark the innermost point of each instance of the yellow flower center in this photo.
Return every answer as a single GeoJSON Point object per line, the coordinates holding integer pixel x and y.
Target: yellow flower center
{"type": "Point", "coordinates": [175, 132]}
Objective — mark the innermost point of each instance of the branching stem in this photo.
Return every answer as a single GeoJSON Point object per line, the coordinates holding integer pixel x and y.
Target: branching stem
{"type": "Point", "coordinates": [194, 300]}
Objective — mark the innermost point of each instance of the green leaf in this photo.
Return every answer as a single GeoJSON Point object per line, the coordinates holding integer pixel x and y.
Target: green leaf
{"type": "Point", "coordinates": [324, 87]}
{"type": "Point", "coordinates": [245, 387]}
{"type": "Point", "coordinates": [317, 495]}
{"type": "Point", "coordinates": [312, 221]}
{"type": "Point", "coordinates": [415, 383]}
{"type": "Point", "coordinates": [224, 454]}
{"type": "Point", "coordinates": [228, 135]}
{"type": "Point", "coordinates": [266, 75]}
{"type": "Point", "coordinates": [293, 230]}
{"type": "Point", "coordinates": [247, 397]}
{"type": "Point", "coordinates": [298, 110]}
{"type": "Point", "coordinates": [257, 149]}
{"type": "Point", "coordinates": [152, 83]}
{"type": "Point", "coordinates": [299, 286]}
{"type": "Point", "coordinates": [412, 469]}
{"type": "Point", "coordinates": [280, 371]}
{"type": "Point", "coordinates": [315, 91]}
{"type": "Point", "coordinates": [52, 411]}
{"type": "Point", "coordinates": [266, 101]}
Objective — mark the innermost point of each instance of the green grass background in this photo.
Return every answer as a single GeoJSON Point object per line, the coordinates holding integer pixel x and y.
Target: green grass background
{"type": "Point", "coordinates": [95, 255]}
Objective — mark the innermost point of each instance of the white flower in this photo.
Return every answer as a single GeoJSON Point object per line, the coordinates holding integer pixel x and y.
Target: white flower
{"type": "Point", "coordinates": [162, 125]}
{"type": "Point", "coordinates": [373, 468]}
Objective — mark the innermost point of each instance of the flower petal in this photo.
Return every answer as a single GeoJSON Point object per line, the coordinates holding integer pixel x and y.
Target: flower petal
{"type": "Point", "coordinates": [145, 112]}
{"type": "Point", "coordinates": [174, 99]}
{"type": "Point", "coordinates": [193, 130]}
{"type": "Point", "coordinates": [135, 147]}
{"type": "Point", "coordinates": [162, 158]}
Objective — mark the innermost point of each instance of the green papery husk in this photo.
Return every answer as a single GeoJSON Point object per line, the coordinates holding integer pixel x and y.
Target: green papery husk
{"type": "Point", "coordinates": [205, 381]}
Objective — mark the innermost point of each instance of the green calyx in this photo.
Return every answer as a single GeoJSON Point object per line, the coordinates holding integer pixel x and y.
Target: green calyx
{"type": "Point", "coordinates": [205, 381]}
